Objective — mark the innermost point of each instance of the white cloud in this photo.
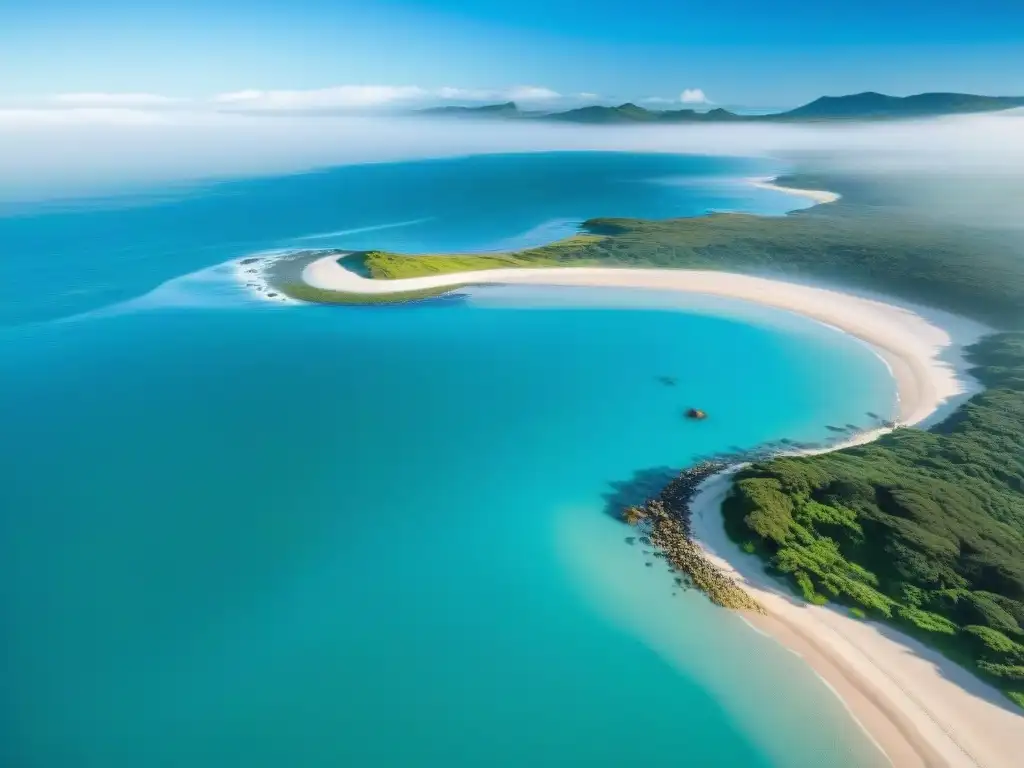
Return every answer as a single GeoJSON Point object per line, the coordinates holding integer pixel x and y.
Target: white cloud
{"type": "Point", "coordinates": [523, 93]}
{"type": "Point", "coordinates": [114, 100]}
{"type": "Point", "coordinates": [364, 96]}
{"type": "Point", "coordinates": [693, 96]}
{"type": "Point", "coordinates": [468, 94]}
{"type": "Point", "coordinates": [338, 97]}
{"type": "Point", "coordinates": [532, 93]}
{"type": "Point", "coordinates": [332, 99]}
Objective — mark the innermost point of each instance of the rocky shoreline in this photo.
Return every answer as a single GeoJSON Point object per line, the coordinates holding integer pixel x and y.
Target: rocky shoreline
{"type": "Point", "coordinates": [665, 521]}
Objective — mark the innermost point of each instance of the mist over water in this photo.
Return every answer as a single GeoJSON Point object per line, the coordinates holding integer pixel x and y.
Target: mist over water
{"type": "Point", "coordinates": [53, 154]}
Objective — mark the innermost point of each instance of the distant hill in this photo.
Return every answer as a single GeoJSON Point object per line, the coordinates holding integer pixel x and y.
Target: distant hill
{"type": "Point", "coordinates": [631, 113]}
{"type": "Point", "coordinates": [507, 109]}
{"type": "Point", "coordinates": [860, 106]}
{"type": "Point", "coordinates": [624, 113]}
{"type": "Point", "coordinates": [875, 105]}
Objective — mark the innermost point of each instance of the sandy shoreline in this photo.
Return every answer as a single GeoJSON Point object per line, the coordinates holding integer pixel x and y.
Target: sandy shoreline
{"type": "Point", "coordinates": [817, 195]}
{"type": "Point", "coordinates": [920, 346]}
{"type": "Point", "coordinates": [921, 709]}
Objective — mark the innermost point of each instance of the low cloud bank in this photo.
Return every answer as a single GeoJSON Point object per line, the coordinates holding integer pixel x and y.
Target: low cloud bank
{"type": "Point", "coordinates": [59, 153]}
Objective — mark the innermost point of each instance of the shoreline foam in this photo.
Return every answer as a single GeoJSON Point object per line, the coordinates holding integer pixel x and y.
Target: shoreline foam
{"type": "Point", "coordinates": [920, 708]}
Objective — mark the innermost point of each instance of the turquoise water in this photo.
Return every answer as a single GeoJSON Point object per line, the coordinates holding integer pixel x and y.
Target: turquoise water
{"type": "Point", "coordinates": [239, 533]}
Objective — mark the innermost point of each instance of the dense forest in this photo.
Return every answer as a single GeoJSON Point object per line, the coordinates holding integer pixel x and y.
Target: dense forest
{"type": "Point", "coordinates": [862, 241]}
{"type": "Point", "coordinates": [921, 528]}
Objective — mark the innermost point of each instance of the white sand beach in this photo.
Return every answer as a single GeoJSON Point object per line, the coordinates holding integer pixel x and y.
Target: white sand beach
{"type": "Point", "coordinates": [920, 708]}
{"type": "Point", "coordinates": [817, 195]}
{"type": "Point", "coordinates": [920, 345]}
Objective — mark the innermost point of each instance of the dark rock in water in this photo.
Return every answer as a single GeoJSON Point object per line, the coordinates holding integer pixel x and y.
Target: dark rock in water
{"type": "Point", "coordinates": [874, 416]}
{"type": "Point", "coordinates": [250, 260]}
{"type": "Point", "coordinates": [649, 565]}
{"type": "Point", "coordinates": [252, 271]}
{"type": "Point", "coordinates": [786, 441]}
{"type": "Point", "coordinates": [271, 295]}
{"type": "Point", "coordinates": [668, 381]}
{"type": "Point", "coordinates": [645, 541]}
{"type": "Point", "coordinates": [631, 540]}
{"type": "Point", "coordinates": [853, 427]}
{"type": "Point", "coordinates": [696, 413]}
{"type": "Point", "coordinates": [834, 429]}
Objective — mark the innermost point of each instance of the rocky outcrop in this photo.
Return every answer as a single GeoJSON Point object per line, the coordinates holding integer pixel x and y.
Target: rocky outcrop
{"type": "Point", "coordinates": [666, 521]}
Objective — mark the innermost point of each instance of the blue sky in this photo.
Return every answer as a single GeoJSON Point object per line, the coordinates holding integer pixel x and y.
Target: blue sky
{"type": "Point", "coordinates": [738, 52]}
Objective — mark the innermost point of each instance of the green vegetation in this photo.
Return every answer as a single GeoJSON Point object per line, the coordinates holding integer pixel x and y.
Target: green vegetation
{"type": "Point", "coordinates": [304, 292]}
{"type": "Point", "coordinates": [921, 528]}
{"type": "Point", "coordinates": [390, 266]}
{"type": "Point", "coordinates": [859, 106]}
{"type": "Point", "coordinates": [285, 275]}
{"type": "Point", "coordinates": [857, 242]}
{"type": "Point", "coordinates": [876, 105]}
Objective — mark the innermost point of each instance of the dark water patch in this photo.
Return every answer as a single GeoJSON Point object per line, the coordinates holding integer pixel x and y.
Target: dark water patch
{"type": "Point", "coordinates": [644, 484]}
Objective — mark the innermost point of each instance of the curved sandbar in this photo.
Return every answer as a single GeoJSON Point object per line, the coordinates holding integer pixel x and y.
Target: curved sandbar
{"type": "Point", "coordinates": [923, 353]}
{"type": "Point", "coordinates": [819, 196]}
{"type": "Point", "coordinates": [921, 709]}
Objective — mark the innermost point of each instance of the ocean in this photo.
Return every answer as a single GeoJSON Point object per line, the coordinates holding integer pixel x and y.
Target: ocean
{"type": "Point", "coordinates": [235, 532]}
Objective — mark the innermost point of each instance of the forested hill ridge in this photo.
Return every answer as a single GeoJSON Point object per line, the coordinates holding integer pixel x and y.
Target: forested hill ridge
{"type": "Point", "coordinates": [860, 106]}
{"type": "Point", "coordinates": [865, 240]}
{"type": "Point", "coordinates": [921, 528]}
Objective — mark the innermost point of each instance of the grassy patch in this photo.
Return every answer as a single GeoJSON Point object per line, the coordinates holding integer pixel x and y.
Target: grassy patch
{"type": "Point", "coordinates": [383, 265]}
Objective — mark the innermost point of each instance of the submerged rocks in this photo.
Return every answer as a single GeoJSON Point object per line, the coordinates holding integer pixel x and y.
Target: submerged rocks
{"type": "Point", "coordinates": [668, 381]}
{"type": "Point", "coordinates": [667, 521]}
{"type": "Point", "coordinates": [633, 515]}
